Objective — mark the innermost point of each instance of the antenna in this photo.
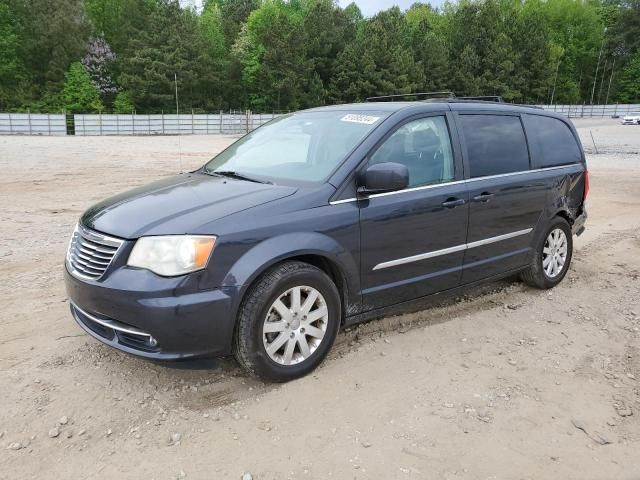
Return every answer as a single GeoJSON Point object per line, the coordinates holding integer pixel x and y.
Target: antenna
{"type": "Point", "coordinates": [175, 78]}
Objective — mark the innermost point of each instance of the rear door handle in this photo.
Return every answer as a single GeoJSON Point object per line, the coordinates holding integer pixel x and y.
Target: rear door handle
{"type": "Point", "coordinates": [453, 202]}
{"type": "Point", "coordinates": [483, 197]}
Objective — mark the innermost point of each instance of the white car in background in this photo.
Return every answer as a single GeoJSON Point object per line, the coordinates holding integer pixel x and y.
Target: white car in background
{"type": "Point", "coordinates": [631, 119]}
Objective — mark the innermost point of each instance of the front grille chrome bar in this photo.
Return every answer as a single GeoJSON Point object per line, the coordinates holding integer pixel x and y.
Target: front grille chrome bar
{"type": "Point", "coordinates": [90, 253]}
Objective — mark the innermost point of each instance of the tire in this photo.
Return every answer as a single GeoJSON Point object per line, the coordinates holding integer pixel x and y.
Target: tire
{"type": "Point", "coordinates": [537, 275]}
{"type": "Point", "coordinates": [271, 304]}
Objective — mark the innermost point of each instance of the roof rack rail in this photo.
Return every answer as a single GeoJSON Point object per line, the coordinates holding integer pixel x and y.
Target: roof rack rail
{"type": "Point", "coordinates": [483, 98]}
{"type": "Point", "coordinates": [443, 94]}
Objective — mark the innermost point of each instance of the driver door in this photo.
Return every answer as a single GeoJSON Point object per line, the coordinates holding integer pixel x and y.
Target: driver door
{"type": "Point", "coordinates": [413, 240]}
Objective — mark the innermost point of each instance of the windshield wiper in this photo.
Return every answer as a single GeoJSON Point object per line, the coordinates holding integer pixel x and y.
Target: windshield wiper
{"type": "Point", "coordinates": [239, 176]}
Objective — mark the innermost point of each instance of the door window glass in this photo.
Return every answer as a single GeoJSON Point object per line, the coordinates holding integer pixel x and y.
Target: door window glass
{"type": "Point", "coordinates": [495, 143]}
{"type": "Point", "coordinates": [424, 147]}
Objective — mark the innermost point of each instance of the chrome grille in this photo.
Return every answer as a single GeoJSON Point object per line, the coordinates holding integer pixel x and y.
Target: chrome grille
{"type": "Point", "coordinates": [90, 253]}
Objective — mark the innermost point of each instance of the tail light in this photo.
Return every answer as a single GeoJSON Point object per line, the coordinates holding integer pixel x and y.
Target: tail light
{"type": "Point", "coordinates": [586, 185]}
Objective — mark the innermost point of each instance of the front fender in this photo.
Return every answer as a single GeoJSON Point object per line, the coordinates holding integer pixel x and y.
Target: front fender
{"type": "Point", "coordinates": [277, 249]}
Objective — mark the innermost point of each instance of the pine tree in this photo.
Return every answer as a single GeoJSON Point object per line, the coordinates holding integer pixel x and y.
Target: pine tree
{"type": "Point", "coordinates": [80, 93]}
{"type": "Point", "coordinates": [54, 34]}
{"type": "Point", "coordinates": [272, 52]}
{"type": "Point", "coordinates": [123, 103]}
{"type": "Point", "coordinates": [379, 61]}
{"type": "Point", "coordinates": [173, 44]}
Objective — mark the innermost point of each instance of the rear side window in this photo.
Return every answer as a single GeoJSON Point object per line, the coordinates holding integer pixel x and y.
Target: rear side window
{"type": "Point", "coordinates": [553, 142]}
{"type": "Point", "coordinates": [496, 144]}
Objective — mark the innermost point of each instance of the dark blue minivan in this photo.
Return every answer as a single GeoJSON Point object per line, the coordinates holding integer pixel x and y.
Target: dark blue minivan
{"type": "Point", "coordinates": [328, 217]}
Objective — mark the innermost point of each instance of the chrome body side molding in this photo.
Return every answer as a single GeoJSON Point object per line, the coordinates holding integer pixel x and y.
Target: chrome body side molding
{"type": "Point", "coordinates": [447, 251]}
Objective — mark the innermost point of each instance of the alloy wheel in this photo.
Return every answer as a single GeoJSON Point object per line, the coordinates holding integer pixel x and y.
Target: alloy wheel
{"type": "Point", "coordinates": [554, 253]}
{"type": "Point", "coordinates": [295, 325]}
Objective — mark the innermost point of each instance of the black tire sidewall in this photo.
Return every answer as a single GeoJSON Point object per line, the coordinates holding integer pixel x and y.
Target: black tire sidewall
{"type": "Point", "coordinates": [267, 292]}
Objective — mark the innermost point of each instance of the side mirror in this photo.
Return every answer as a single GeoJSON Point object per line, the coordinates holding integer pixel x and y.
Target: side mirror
{"type": "Point", "coordinates": [384, 177]}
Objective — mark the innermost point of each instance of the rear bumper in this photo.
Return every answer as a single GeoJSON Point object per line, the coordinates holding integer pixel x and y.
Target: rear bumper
{"type": "Point", "coordinates": [578, 226]}
{"type": "Point", "coordinates": [156, 320]}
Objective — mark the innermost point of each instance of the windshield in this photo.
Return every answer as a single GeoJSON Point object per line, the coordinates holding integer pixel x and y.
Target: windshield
{"type": "Point", "coordinates": [301, 147]}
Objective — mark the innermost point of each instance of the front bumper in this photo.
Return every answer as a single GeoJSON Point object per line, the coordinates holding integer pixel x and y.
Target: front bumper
{"type": "Point", "coordinates": [143, 314]}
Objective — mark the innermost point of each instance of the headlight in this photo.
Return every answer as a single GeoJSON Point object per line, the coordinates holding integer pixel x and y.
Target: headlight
{"type": "Point", "coordinates": [172, 255]}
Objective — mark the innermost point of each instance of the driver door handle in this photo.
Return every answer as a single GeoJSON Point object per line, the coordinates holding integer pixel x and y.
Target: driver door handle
{"type": "Point", "coordinates": [483, 197]}
{"type": "Point", "coordinates": [453, 202]}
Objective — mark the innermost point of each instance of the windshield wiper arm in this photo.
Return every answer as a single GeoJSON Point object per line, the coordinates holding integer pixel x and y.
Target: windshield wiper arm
{"type": "Point", "coordinates": [239, 176]}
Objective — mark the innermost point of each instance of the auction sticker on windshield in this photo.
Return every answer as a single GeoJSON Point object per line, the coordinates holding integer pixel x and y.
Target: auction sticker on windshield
{"type": "Point", "coordinates": [366, 119]}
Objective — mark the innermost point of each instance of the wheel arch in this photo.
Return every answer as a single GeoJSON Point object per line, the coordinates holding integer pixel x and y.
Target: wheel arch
{"type": "Point", "coordinates": [564, 213]}
{"type": "Point", "coordinates": [315, 249]}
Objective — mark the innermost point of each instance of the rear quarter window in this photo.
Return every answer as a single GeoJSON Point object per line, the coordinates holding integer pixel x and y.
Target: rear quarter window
{"type": "Point", "coordinates": [496, 144]}
{"type": "Point", "coordinates": [552, 142]}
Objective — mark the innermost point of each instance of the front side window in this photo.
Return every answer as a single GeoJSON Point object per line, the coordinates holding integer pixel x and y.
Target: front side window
{"type": "Point", "coordinates": [301, 147]}
{"type": "Point", "coordinates": [554, 140]}
{"type": "Point", "coordinates": [496, 144]}
{"type": "Point", "coordinates": [424, 147]}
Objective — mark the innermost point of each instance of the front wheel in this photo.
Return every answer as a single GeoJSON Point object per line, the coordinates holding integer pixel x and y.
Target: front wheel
{"type": "Point", "coordinates": [288, 322]}
{"type": "Point", "coordinates": [552, 256]}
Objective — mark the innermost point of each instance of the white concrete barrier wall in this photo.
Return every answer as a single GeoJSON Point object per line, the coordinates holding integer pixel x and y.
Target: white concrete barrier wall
{"type": "Point", "coordinates": [197, 124]}
{"type": "Point", "coordinates": [586, 111]}
{"type": "Point", "coordinates": [206, 124]}
{"type": "Point", "coordinates": [32, 124]}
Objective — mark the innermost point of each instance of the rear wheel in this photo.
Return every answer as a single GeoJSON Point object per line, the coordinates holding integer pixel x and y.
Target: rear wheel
{"type": "Point", "coordinates": [288, 322]}
{"type": "Point", "coordinates": [552, 256]}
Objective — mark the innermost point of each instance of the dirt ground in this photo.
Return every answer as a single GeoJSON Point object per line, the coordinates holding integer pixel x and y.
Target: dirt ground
{"type": "Point", "coordinates": [506, 382]}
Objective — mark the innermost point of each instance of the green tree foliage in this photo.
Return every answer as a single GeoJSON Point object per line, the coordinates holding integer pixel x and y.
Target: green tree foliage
{"type": "Point", "coordinates": [379, 61]}
{"type": "Point", "coordinates": [629, 90]}
{"type": "Point", "coordinates": [123, 103]}
{"type": "Point", "coordinates": [175, 46]}
{"type": "Point", "coordinates": [288, 54]}
{"type": "Point", "coordinates": [80, 93]}
{"type": "Point", "coordinates": [10, 65]}
{"type": "Point", "coordinates": [272, 52]}
{"type": "Point", "coordinates": [118, 21]}
{"type": "Point", "coordinates": [429, 46]}
{"type": "Point", "coordinates": [234, 14]}
{"type": "Point", "coordinates": [53, 34]}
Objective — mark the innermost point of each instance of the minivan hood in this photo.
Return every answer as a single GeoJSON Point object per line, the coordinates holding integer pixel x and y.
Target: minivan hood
{"type": "Point", "coordinates": [178, 205]}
